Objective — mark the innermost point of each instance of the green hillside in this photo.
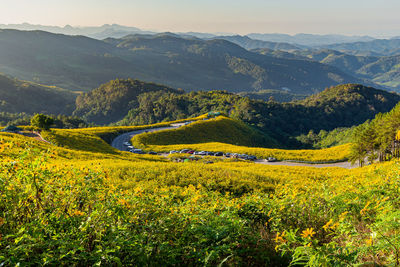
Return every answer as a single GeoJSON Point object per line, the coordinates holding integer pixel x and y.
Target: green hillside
{"type": "Point", "coordinates": [18, 96]}
{"type": "Point", "coordinates": [81, 63]}
{"type": "Point", "coordinates": [273, 95]}
{"type": "Point", "coordinates": [220, 129]}
{"type": "Point", "coordinates": [112, 101]}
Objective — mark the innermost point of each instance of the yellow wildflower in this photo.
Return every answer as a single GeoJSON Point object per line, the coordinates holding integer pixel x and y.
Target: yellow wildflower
{"type": "Point", "coordinates": [309, 232]}
{"type": "Point", "coordinates": [280, 237]}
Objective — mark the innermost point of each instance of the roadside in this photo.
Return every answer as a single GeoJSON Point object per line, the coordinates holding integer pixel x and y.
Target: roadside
{"type": "Point", "coordinates": [119, 141]}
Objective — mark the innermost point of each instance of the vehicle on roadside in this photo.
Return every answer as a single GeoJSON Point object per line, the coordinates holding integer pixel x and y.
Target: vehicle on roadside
{"type": "Point", "coordinates": [251, 157]}
{"type": "Point", "coordinates": [210, 153]}
{"type": "Point", "coordinates": [191, 152]}
{"type": "Point", "coordinates": [219, 154]}
{"type": "Point", "coordinates": [152, 153]}
{"type": "Point", "coordinates": [173, 152]}
{"type": "Point", "coordinates": [137, 151]}
{"type": "Point", "coordinates": [201, 153]}
{"type": "Point", "coordinates": [126, 144]}
{"type": "Point", "coordinates": [131, 147]}
{"type": "Point", "coordinates": [184, 151]}
{"type": "Point", "coordinates": [271, 159]}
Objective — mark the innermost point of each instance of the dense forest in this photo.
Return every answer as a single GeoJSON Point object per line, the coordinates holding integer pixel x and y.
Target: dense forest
{"type": "Point", "coordinates": [377, 139]}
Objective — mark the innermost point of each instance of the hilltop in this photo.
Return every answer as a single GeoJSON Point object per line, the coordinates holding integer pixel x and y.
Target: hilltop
{"type": "Point", "coordinates": [220, 129]}
{"type": "Point", "coordinates": [112, 101]}
{"type": "Point", "coordinates": [17, 96]}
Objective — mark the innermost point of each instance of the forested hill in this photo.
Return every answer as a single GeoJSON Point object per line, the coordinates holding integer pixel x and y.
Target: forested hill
{"type": "Point", "coordinates": [18, 96]}
{"type": "Point", "coordinates": [353, 96]}
{"type": "Point", "coordinates": [81, 63]}
{"type": "Point", "coordinates": [112, 101]}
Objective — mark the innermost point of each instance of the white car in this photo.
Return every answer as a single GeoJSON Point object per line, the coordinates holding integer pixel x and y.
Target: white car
{"type": "Point", "coordinates": [127, 144]}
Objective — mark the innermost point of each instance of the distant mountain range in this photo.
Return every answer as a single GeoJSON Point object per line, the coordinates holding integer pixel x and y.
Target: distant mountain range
{"type": "Point", "coordinates": [118, 31]}
{"type": "Point", "coordinates": [82, 63]}
{"type": "Point", "coordinates": [311, 40]}
{"type": "Point", "coordinates": [248, 43]}
{"type": "Point", "coordinates": [100, 32]}
{"type": "Point", "coordinates": [383, 70]}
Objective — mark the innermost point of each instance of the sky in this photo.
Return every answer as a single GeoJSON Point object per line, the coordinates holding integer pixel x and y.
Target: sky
{"type": "Point", "coordinates": [351, 17]}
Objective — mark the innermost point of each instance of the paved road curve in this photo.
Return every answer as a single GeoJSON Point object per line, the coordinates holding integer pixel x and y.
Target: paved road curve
{"type": "Point", "coordinates": [119, 141]}
{"type": "Point", "coordinates": [346, 164]}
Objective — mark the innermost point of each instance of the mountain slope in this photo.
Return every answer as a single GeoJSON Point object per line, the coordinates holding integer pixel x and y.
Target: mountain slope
{"type": "Point", "coordinates": [112, 101]}
{"type": "Point", "coordinates": [81, 63]}
{"type": "Point", "coordinates": [248, 43]}
{"type": "Point", "coordinates": [18, 96]}
{"type": "Point", "coordinates": [385, 47]}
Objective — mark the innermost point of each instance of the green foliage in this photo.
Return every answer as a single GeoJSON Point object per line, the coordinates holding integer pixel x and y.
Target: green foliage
{"type": "Point", "coordinates": [111, 101]}
{"type": "Point", "coordinates": [324, 139]}
{"type": "Point", "coordinates": [42, 121]}
{"type": "Point", "coordinates": [14, 119]}
{"type": "Point", "coordinates": [273, 95]}
{"type": "Point", "coordinates": [17, 96]}
{"type": "Point", "coordinates": [375, 140]}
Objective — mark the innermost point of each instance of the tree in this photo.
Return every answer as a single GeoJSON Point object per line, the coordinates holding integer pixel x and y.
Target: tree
{"type": "Point", "coordinates": [42, 121]}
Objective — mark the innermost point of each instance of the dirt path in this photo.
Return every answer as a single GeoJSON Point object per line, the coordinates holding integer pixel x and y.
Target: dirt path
{"type": "Point", "coordinates": [34, 135]}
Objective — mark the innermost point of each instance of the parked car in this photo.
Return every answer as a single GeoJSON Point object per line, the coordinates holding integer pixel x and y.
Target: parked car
{"type": "Point", "coordinates": [191, 152]}
{"type": "Point", "coordinates": [202, 153]}
{"type": "Point", "coordinates": [131, 147]}
{"type": "Point", "coordinates": [184, 151]}
{"type": "Point", "coordinates": [137, 151]}
{"type": "Point", "coordinates": [126, 144]}
{"type": "Point", "coordinates": [173, 152]}
{"type": "Point", "coordinates": [152, 153]}
{"type": "Point", "coordinates": [219, 154]}
{"type": "Point", "coordinates": [271, 159]}
{"type": "Point", "coordinates": [210, 153]}
{"type": "Point", "coordinates": [250, 157]}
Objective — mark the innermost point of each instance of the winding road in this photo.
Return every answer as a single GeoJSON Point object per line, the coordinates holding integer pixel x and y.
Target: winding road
{"type": "Point", "coordinates": [119, 141]}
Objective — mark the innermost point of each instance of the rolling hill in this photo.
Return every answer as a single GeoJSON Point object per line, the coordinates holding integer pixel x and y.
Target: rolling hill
{"type": "Point", "coordinates": [112, 101]}
{"type": "Point", "coordinates": [220, 129]}
{"type": "Point", "coordinates": [82, 63]}
{"type": "Point", "coordinates": [383, 47]}
{"type": "Point", "coordinates": [17, 96]}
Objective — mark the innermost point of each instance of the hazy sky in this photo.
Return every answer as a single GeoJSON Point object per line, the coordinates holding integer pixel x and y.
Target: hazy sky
{"type": "Point", "coordinates": [373, 17]}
